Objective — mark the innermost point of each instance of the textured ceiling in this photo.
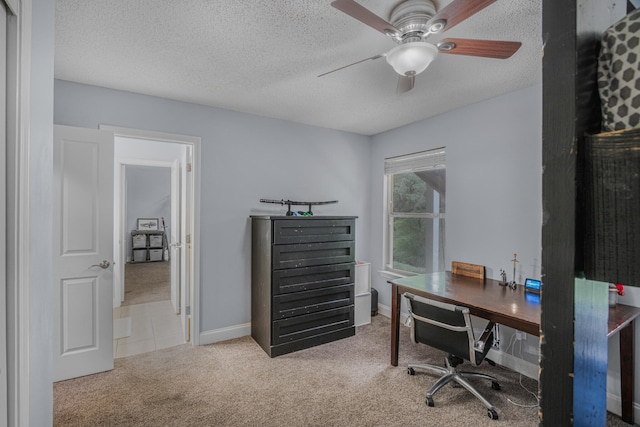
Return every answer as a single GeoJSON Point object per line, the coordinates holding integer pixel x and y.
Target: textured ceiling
{"type": "Point", "coordinates": [264, 57]}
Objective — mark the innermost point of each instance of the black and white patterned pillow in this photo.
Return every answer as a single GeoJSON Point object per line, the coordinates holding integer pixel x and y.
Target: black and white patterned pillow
{"type": "Point", "coordinates": [619, 74]}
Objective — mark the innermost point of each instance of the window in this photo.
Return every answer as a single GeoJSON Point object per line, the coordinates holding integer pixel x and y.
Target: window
{"type": "Point", "coordinates": [415, 191]}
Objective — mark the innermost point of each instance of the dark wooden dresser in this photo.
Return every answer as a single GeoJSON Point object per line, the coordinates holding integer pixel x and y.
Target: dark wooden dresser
{"type": "Point", "coordinates": [302, 281]}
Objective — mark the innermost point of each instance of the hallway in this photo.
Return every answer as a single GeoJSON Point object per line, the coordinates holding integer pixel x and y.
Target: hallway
{"type": "Point", "coordinates": [146, 327]}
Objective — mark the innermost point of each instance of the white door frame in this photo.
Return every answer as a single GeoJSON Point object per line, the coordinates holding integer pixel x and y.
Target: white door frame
{"type": "Point", "coordinates": [4, 64]}
{"type": "Point", "coordinates": [120, 218]}
{"type": "Point", "coordinates": [194, 216]}
{"type": "Point", "coordinates": [18, 214]}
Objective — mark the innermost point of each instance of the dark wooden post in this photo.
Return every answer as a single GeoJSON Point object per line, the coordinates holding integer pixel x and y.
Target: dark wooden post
{"type": "Point", "coordinates": [571, 30]}
{"type": "Point", "coordinates": [558, 218]}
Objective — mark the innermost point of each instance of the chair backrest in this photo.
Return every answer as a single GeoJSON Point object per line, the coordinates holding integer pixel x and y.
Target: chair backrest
{"type": "Point", "coordinates": [447, 327]}
{"type": "Point", "coordinates": [465, 269]}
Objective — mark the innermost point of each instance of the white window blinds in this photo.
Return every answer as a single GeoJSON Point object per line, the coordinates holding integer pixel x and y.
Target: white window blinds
{"type": "Point", "coordinates": [425, 160]}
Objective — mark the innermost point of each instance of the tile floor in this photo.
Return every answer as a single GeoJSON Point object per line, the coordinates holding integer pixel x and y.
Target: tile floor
{"type": "Point", "coordinates": [154, 326]}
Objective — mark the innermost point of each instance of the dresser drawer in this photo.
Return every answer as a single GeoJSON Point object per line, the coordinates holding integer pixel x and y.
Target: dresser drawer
{"type": "Point", "coordinates": [306, 255]}
{"type": "Point", "coordinates": [309, 278]}
{"type": "Point", "coordinates": [312, 230]}
{"type": "Point", "coordinates": [309, 325]}
{"type": "Point", "coordinates": [299, 303]}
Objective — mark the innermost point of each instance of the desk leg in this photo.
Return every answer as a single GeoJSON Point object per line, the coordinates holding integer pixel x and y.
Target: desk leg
{"type": "Point", "coordinates": [626, 372]}
{"type": "Point", "coordinates": [395, 324]}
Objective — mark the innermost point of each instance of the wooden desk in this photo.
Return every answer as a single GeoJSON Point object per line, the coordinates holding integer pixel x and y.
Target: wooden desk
{"type": "Point", "coordinates": [622, 319]}
{"type": "Point", "coordinates": [486, 298]}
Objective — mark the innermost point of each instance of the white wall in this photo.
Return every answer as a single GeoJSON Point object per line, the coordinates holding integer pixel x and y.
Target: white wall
{"type": "Point", "coordinates": [244, 158]}
{"type": "Point", "coordinates": [141, 149]}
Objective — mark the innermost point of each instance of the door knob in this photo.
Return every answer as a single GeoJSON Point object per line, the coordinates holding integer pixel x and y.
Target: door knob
{"type": "Point", "coordinates": [104, 264]}
{"type": "Point", "coordinates": [175, 245]}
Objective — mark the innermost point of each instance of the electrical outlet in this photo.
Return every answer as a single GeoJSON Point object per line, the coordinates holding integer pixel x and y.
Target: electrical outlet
{"type": "Point", "coordinates": [531, 349]}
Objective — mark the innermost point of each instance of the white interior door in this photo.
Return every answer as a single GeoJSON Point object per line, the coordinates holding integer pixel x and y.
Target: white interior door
{"type": "Point", "coordinates": [174, 236]}
{"type": "Point", "coordinates": [83, 251]}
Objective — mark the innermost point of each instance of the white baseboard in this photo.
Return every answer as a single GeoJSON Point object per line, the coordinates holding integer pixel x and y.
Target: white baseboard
{"type": "Point", "coordinates": [223, 334]}
{"type": "Point", "coordinates": [614, 405]}
{"type": "Point", "coordinates": [514, 363]}
{"type": "Point", "coordinates": [386, 312]}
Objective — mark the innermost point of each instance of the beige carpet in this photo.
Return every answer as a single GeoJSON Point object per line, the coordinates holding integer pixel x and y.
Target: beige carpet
{"type": "Point", "coordinates": [147, 282]}
{"type": "Point", "coordinates": [234, 383]}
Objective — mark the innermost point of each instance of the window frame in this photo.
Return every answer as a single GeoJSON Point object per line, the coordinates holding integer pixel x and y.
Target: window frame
{"type": "Point", "coordinates": [415, 162]}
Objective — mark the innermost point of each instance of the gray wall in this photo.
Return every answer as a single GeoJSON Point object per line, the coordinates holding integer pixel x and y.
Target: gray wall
{"type": "Point", "coordinates": [148, 196]}
{"type": "Point", "coordinates": [494, 192]}
{"type": "Point", "coordinates": [244, 158]}
{"type": "Point", "coordinates": [494, 189]}
{"type": "Point", "coordinates": [41, 214]}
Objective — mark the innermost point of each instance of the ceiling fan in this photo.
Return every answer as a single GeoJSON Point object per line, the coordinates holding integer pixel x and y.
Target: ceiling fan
{"type": "Point", "coordinates": [411, 23]}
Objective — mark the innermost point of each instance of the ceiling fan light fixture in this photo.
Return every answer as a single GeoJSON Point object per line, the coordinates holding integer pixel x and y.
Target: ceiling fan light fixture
{"type": "Point", "coordinates": [411, 58]}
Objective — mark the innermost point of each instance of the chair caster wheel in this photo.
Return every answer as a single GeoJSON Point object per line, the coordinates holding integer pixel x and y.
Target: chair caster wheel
{"type": "Point", "coordinates": [492, 414]}
{"type": "Point", "coordinates": [411, 371]}
{"type": "Point", "coordinates": [495, 385]}
{"type": "Point", "coordinates": [430, 403]}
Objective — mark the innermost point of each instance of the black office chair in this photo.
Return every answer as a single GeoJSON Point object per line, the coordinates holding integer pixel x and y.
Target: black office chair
{"type": "Point", "coordinates": [448, 327]}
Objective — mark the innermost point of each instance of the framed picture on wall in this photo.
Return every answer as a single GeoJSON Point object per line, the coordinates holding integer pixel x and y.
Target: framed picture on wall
{"type": "Point", "coordinates": [147, 224]}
